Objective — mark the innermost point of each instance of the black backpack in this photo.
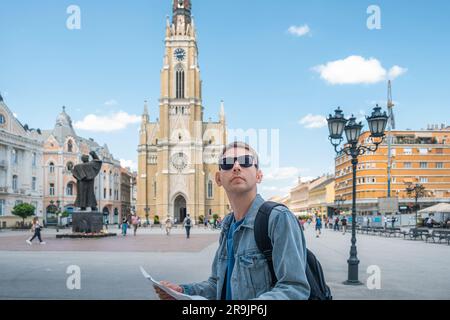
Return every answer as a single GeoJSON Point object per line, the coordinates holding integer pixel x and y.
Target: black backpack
{"type": "Point", "coordinates": [314, 273]}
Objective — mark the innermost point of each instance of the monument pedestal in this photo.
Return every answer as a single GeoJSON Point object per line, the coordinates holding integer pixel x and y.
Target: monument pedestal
{"type": "Point", "coordinates": [87, 222]}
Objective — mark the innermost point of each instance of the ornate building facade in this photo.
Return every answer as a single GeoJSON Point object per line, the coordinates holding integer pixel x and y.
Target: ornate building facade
{"type": "Point", "coordinates": [21, 179]}
{"type": "Point", "coordinates": [63, 149]}
{"type": "Point", "coordinates": [179, 152]}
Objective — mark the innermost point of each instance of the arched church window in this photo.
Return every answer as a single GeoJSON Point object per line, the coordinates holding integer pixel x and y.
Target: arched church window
{"type": "Point", "coordinates": [69, 146]}
{"type": "Point", "coordinates": [210, 189]}
{"type": "Point", "coordinates": [179, 77]}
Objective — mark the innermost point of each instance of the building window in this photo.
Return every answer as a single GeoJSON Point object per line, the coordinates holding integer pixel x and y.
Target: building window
{"type": "Point", "coordinates": [407, 151]}
{"type": "Point", "coordinates": [408, 165]}
{"type": "Point", "coordinates": [179, 77]}
{"type": "Point", "coordinates": [2, 207]}
{"type": "Point", "coordinates": [69, 166]}
{"type": "Point", "coordinates": [52, 167]}
{"type": "Point", "coordinates": [423, 165]}
{"type": "Point", "coordinates": [2, 119]}
{"type": "Point", "coordinates": [70, 146]}
{"type": "Point", "coordinates": [34, 159]}
{"type": "Point", "coordinates": [423, 151]}
{"type": "Point", "coordinates": [110, 193]}
{"type": "Point", "coordinates": [440, 150]}
{"type": "Point", "coordinates": [104, 193]}
{"type": "Point", "coordinates": [14, 156]}
{"type": "Point", "coordinates": [33, 183]}
{"type": "Point", "coordinates": [52, 189]}
{"type": "Point", "coordinates": [18, 202]}
{"type": "Point", "coordinates": [15, 183]}
{"type": "Point", "coordinates": [210, 189]}
{"type": "Point", "coordinates": [154, 189]}
{"type": "Point", "coordinates": [423, 180]}
{"type": "Point", "coordinates": [439, 165]}
{"type": "Point", "coordinates": [35, 205]}
{"type": "Point", "coordinates": [69, 188]}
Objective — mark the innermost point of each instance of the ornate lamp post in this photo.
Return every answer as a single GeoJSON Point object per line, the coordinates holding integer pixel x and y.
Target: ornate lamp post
{"type": "Point", "coordinates": [337, 125]}
{"type": "Point", "coordinates": [339, 202]}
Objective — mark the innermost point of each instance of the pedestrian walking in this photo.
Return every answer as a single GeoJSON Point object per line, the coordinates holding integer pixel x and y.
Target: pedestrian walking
{"type": "Point", "coordinates": [135, 223]}
{"type": "Point", "coordinates": [36, 228]}
{"type": "Point", "coordinates": [318, 227]}
{"type": "Point", "coordinates": [187, 223]}
{"type": "Point", "coordinates": [336, 224]}
{"type": "Point", "coordinates": [168, 225]}
{"type": "Point", "coordinates": [124, 226]}
{"type": "Point", "coordinates": [344, 225]}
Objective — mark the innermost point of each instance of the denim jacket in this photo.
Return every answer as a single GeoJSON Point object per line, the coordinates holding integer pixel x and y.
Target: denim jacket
{"type": "Point", "coordinates": [251, 278]}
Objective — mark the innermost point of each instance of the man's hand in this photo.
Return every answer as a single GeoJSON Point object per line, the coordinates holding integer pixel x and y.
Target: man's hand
{"type": "Point", "coordinates": [164, 296]}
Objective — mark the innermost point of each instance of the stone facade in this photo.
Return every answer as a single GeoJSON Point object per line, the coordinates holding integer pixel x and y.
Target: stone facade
{"type": "Point", "coordinates": [21, 177]}
{"type": "Point", "coordinates": [179, 151]}
{"type": "Point", "coordinates": [63, 149]}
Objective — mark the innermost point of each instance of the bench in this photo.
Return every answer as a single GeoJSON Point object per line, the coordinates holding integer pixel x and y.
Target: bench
{"type": "Point", "coordinates": [415, 233]}
{"type": "Point", "coordinates": [392, 231]}
{"type": "Point", "coordinates": [439, 235]}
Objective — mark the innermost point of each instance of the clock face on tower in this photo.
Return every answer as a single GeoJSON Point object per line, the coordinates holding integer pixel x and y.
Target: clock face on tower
{"type": "Point", "coordinates": [180, 54]}
{"type": "Point", "coordinates": [179, 161]}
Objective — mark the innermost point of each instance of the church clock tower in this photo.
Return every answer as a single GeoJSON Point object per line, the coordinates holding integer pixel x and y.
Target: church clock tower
{"type": "Point", "coordinates": [178, 153]}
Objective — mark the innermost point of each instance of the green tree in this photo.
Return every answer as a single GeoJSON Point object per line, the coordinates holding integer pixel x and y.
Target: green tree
{"type": "Point", "coordinates": [23, 210]}
{"type": "Point", "coordinates": [156, 220]}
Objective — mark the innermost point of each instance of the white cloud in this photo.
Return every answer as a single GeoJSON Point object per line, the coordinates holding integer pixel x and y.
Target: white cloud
{"type": "Point", "coordinates": [111, 103]}
{"type": "Point", "coordinates": [396, 72]}
{"type": "Point", "coordinates": [299, 31]}
{"type": "Point", "coordinates": [356, 70]}
{"type": "Point", "coordinates": [283, 173]}
{"type": "Point", "coordinates": [128, 164]}
{"type": "Point", "coordinates": [114, 122]}
{"type": "Point", "coordinates": [313, 121]}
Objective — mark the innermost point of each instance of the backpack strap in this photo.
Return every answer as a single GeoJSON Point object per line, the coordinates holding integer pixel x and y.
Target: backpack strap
{"type": "Point", "coordinates": [261, 230]}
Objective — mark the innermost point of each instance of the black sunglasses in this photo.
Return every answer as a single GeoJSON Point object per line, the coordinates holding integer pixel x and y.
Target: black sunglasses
{"type": "Point", "coordinates": [246, 161]}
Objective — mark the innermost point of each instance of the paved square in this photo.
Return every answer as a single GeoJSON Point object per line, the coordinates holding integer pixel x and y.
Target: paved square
{"type": "Point", "coordinates": [110, 267]}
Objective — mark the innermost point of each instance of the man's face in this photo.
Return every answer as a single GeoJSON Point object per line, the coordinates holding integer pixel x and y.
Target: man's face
{"type": "Point", "coordinates": [239, 179]}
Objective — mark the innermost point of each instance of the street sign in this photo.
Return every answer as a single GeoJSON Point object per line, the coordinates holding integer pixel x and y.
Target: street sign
{"type": "Point", "coordinates": [387, 205]}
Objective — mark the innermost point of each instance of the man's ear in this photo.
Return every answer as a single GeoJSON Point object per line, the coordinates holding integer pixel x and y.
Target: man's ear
{"type": "Point", "coordinates": [259, 176]}
{"type": "Point", "coordinates": [218, 181]}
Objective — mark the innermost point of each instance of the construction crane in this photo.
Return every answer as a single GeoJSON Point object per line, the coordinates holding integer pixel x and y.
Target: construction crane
{"type": "Point", "coordinates": [391, 126]}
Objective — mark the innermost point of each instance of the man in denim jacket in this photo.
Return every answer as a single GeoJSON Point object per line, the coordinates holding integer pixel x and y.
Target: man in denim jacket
{"type": "Point", "coordinates": [240, 271]}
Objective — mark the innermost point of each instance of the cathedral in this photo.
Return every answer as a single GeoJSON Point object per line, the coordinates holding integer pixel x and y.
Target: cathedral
{"type": "Point", "coordinates": [178, 153]}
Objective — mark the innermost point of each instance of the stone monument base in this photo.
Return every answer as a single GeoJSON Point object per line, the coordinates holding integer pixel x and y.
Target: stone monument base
{"type": "Point", "coordinates": [87, 222]}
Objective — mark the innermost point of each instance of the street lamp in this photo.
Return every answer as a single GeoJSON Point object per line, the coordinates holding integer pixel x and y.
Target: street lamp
{"type": "Point", "coordinates": [417, 191]}
{"type": "Point", "coordinates": [339, 202]}
{"type": "Point", "coordinates": [337, 124]}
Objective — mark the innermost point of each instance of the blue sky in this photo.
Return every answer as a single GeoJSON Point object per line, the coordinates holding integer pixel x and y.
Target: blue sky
{"type": "Point", "coordinates": [270, 78]}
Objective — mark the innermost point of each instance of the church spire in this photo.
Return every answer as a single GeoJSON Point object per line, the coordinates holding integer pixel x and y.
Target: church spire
{"type": "Point", "coordinates": [145, 116]}
{"type": "Point", "coordinates": [222, 111]}
{"type": "Point", "coordinates": [181, 14]}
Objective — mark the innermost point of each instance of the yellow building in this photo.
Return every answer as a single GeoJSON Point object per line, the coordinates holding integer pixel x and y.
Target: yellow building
{"type": "Point", "coordinates": [179, 152]}
{"type": "Point", "coordinates": [310, 197]}
{"type": "Point", "coordinates": [417, 157]}
{"type": "Point", "coordinates": [321, 197]}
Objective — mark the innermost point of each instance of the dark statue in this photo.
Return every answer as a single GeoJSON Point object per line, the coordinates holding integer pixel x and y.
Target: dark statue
{"type": "Point", "coordinates": [85, 174]}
